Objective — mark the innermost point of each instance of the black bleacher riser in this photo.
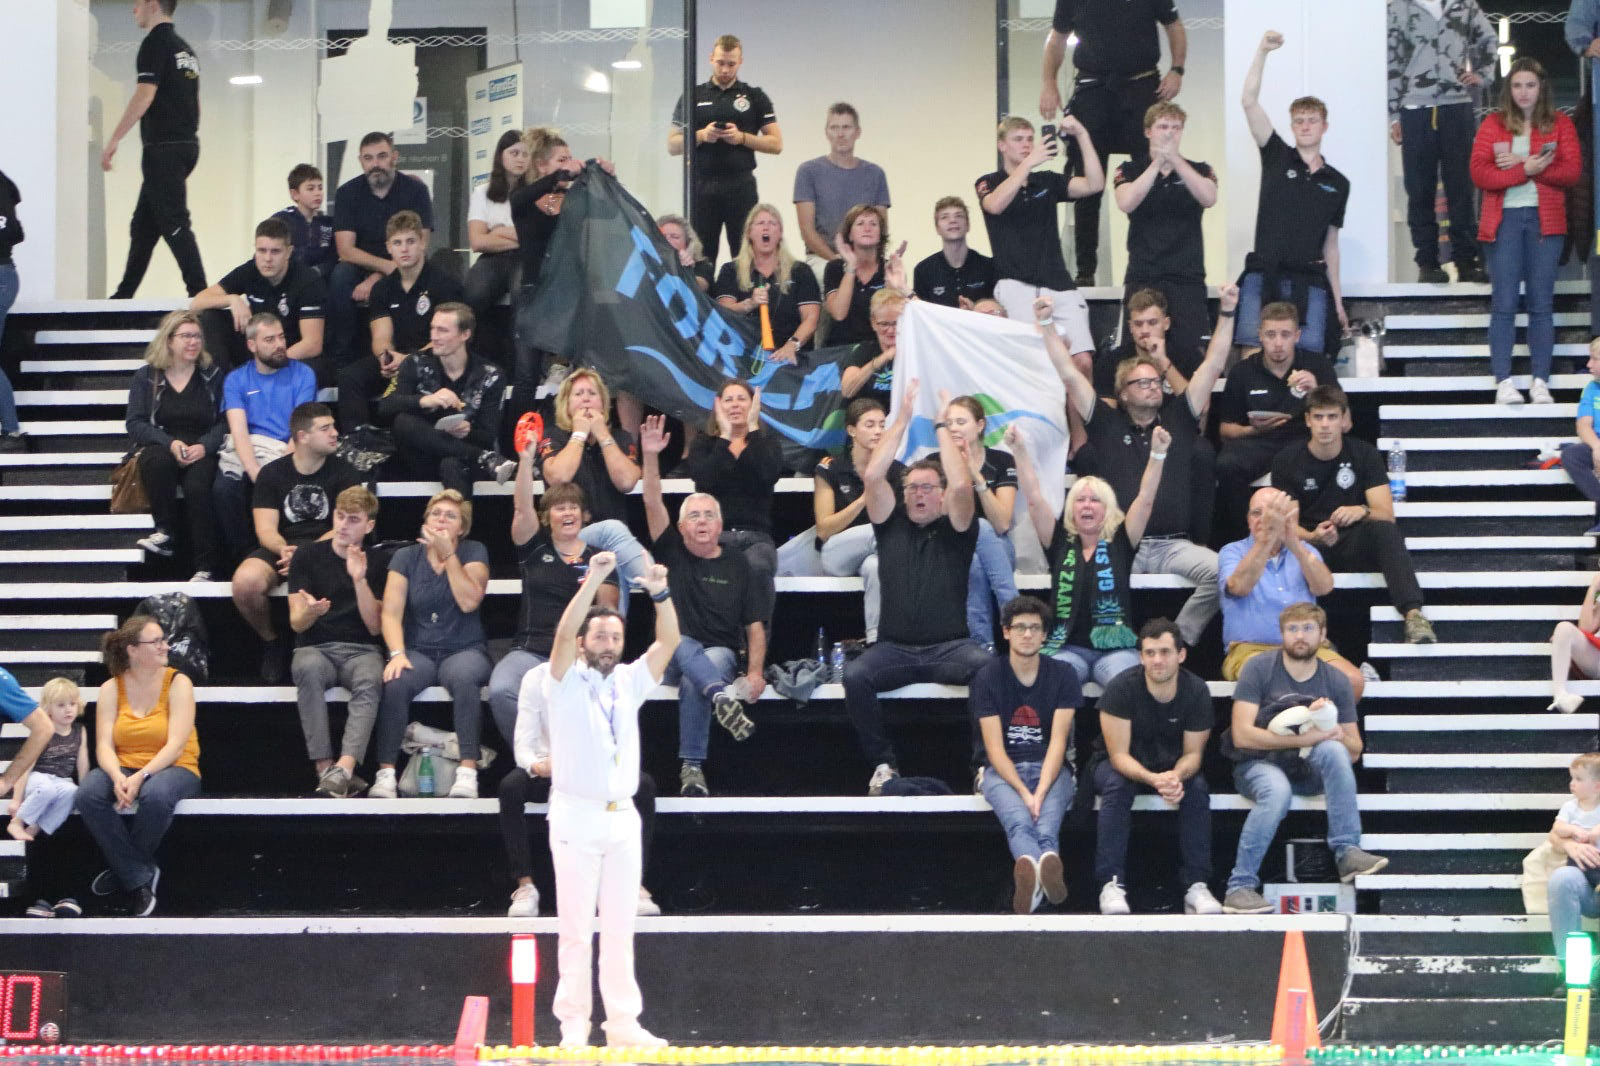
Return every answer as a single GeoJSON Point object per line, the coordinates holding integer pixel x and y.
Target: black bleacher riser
{"type": "Point", "coordinates": [1494, 559]}
{"type": "Point", "coordinates": [1455, 943]}
{"type": "Point", "coordinates": [1478, 631]}
{"type": "Point", "coordinates": [1478, 978]}
{"type": "Point", "coordinates": [1451, 901]}
{"type": "Point", "coordinates": [1445, 740]}
{"type": "Point", "coordinates": [1484, 1020]}
{"type": "Point", "coordinates": [1477, 780]}
{"type": "Point", "coordinates": [1557, 427]}
{"type": "Point", "coordinates": [75, 474]}
{"type": "Point", "coordinates": [1469, 668]}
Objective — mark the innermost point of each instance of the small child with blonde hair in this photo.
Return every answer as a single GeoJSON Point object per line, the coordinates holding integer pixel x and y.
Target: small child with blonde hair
{"type": "Point", "coordinates": [46, 793]}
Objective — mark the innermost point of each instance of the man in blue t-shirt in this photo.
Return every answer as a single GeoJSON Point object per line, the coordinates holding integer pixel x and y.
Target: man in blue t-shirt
{"type": "Point", "coordinates": [1022, 706]}
{"type": "Point", "coordinates": [257, 400]}
{"type": "Point", "coordinates": [17, 706]}
{"type": "Point", "coordinates": [1581, 459]}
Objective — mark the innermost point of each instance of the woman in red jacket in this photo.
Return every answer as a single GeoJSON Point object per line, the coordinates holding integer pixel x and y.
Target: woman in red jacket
{"type": "Point", "coordinates": [1524, 157]}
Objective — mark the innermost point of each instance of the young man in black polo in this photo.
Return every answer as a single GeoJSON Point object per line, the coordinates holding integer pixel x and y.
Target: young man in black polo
{"type": "Point", "coordinates": [269, 281]}
{"type": "Point", "coordinates": [1118, 448]}
{"type": "Point", "coordinates": [1155, 720]}
{"type": "Point", "coordinates": [1262, 412]}
{"type": "Point", "coordinates": [926, 534]}
{"type": "Point", "coordinates": [1118, 61]}
{"type": "Point", "coordinates": [166, 105]}
{"type": "Point", "coordinates": [400, 313]}
{"type": "Point", "coordinates": [731, 122]}
{"type": "Point", "coordinates": [1299, 213]}
{"type": "Point", "coordinates": [1019, 210]}
{"type": "Point", "coordinates": [310, 231]}
{"type": "Point", "coordinates": [362, 208]}
{"type": "Point", "coordinates": [1164, 196]}
{"type": "Point", "coordinates": [955, 276]}
{"type": "Point", "coordinates": [1342, 486]}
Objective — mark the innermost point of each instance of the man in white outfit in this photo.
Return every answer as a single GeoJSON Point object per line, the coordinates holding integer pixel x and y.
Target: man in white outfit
{"type": "Point", "coordinates": [594, 828]}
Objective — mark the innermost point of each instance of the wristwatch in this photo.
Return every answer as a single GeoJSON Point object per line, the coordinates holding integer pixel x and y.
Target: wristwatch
{"type": "Point", "coordinates": [1178, 71]}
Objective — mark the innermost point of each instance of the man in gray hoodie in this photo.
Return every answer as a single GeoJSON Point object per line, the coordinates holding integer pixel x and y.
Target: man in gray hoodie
{"type": "Point", "coordinates": [1440, 51]}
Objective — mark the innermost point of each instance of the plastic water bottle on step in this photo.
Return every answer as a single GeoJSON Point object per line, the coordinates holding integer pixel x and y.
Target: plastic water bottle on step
{"type": "Point", "coordinates": [822, 648]}
{"type": "Point", "coordinates": [1397, 472]}
{"type": "Point", "coordinates": [425, 779]}
{"type": "Point", "coordinates": [838, 664]}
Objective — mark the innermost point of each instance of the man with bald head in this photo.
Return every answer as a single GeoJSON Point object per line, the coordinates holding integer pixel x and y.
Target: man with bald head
{"type": "Point", "coordinates": [718, 606]}
{"type": "Point", "coordinates": [1264, 573]}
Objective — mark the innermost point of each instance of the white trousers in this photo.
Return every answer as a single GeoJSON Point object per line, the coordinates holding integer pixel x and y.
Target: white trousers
{"type": "Point", "coordinates": [1071, 310]}
{"type": "Point", "coordinates": [596, 857]}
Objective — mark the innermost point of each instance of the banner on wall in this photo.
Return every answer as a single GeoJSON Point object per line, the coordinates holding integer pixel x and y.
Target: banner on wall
{"type": "Point", "coordinates": [494, 105]}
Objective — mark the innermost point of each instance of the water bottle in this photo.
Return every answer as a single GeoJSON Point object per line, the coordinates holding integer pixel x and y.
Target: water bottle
{"type": "Point", "coordinates": [425, 781]}
{"type": "Point", "coordinates": [822, 649]}
{"type": "Point", "coordinates": [838, 664]}
{"type": "Point", "coordinates": [1397, 472]}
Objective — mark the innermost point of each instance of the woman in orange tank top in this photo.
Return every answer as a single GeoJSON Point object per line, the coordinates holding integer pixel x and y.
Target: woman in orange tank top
{"type": "Point", "coordinates": [147, 756]}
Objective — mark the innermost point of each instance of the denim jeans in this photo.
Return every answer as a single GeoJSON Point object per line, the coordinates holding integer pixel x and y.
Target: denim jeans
{"type": "Point", "coordinates": [9, 285]}
{"type": "Point", "coordinates": [504, 686]}
{"type": "Point", "coordinates": [855, 551]}
{"type": "Point", "coordinates": [1100, 666]}
{"type": "Point", "coordinates": [315, 669]}
{"type": "Point", "coordinates": [698, 671]}
{"type": "Point", "coordinates": [1025, 834]}
{"type": "Point", "coordinates": [339, 338]}
{"type": "Point", "coordinates": [1578, 461]}
{"type": "Point", "coordinates": [1115, 825]}
{"type": "Point", "coordinates": [1327, 771]}
{"type": "Point", "coordinates": [887, 665]}
{"type": "Point", "coordinates": [130, 850]}
{"type": "Point", "coordinates": [462, 673]}
{"type": "Point", "coordinates": [1572, 899]}
{"type": "Point", "coordinates": [1313, 316]}
{"type": "Point", "coordinates": [1521, 257]}
{"type": "Point", "coordinates": [992, 578]}
{"type": "Point", "coordinates": [613, 536]}
{"type": "Point", "coordinates": [1436, 146]}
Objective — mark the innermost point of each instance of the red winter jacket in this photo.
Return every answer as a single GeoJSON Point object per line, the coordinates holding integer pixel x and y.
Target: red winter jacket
{"type": "Point", "coordinates": [1564, 171]}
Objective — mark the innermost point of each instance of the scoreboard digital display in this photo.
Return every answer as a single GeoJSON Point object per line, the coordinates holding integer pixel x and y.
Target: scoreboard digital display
{"type": "Point", "coordinates": [33, 1006]}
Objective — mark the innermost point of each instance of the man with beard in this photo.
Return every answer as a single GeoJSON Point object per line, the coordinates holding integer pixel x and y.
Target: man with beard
{"type": "Point", "coordinates": [292, 505]}
{"type": "Point", "coordinates": [361, 210]}
{"type": "Point", "coordinates": [257, 400]}
{"type": "Point", "coordinates": [593, 705]}
{"type": "Point", "coordinates": [1273, 764]}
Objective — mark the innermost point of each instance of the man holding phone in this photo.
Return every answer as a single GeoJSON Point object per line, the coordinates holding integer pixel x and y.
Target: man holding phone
{"type": "Point", "coordinates": [1019, 209]}
{"type": "Point", "coordinates": [731, 122]}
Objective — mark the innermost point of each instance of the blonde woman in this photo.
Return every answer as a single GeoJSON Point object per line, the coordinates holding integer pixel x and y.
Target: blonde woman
{"type": "Point", "coordinates": [175, 420]}
{"type": "Point", "coordinates": [1090, 550]}
{"type": "Point", "coordinates": [585, 450]}
{"type": "Point", "coordinates": [766, 275]}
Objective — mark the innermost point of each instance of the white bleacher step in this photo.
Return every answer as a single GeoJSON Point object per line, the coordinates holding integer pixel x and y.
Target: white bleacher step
{"type": "Point", "coordinates": [78, 428]}
{"type": "Point", "coordinates": [1394, 324]}
{"type": "Point", "coordinates": [1476, 723]}
{"type": "Point", "coordinates": [56, 621]}
{"type": "Point", "coordinates": [1459, 690]}
{"type": "Point", "coordinates": [1393, 349]}
{"type": "Point", "coordinates": [146, 305]}
{"type": "Point", "coordinates": [27, 459]}
{"type": "Point", "coordinates": [40, 556]}
{"type": "Point", "coordinates": [73, 398]}
{"type": "Point", "coordinates": [93, 336]}
{"type": "Point", "coordinates": [76, 522]}
{"type": "Point", "coordinates": [1519, 760]}
{"type": "Point", "coordinates": [1437, 882]}
{"type": "Point", "coordinates": [1459, 650]}
{"type": "Point", "coordinates": [1473, 444]}
{"type": "Point", "coordinates": [1501, 965]}
{"type": "Point", "coordinates": [1487, 612]}
{"type": "Point", "coordinates": [1492, 508]}
{"type": "Point", "coordinates": [81, 366]}
{"type": "Point", "coordinates": [1458, 383]}
{"type": "Point", "coordinates": [1451, 923]}
{"type": "Point", "coordinates": [40, 658]}
{"type": "Point", "coordinates": [1453, 412]}
{"type": "Point", "coordinates": [1439, 479]}
{"type": "Point", "coordinates": [1575, 542]}
{"type": "Point", "coordinates": [1385, 842]}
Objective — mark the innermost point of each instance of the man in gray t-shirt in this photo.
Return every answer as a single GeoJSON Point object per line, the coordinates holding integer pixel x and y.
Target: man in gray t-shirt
{"type": "Point", "coordinates": [1270, 768]}
{"type": "Point", "coordinates": [829, 185]}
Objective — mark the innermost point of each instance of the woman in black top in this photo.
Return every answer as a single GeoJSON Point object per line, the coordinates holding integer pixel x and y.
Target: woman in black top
{"type": "Point", "coordinates": [850, 281]}
{"type": "Point", "coordinates": [746, 284]}
{"type": "Point", "coordinates": [839, 504]}
{"type": "Point", "coordinates": [584, 450]}
{"type": "Point", "coordinates": [686, 242]}
{"type": "Point", "coordinates": [176, 422]}
{"type": "Point", "coordinates": [994, 486]}
{"type": "Point", "coordinates": [739, 463]}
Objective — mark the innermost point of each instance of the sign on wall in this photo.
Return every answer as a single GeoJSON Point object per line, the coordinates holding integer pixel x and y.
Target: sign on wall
{"type": "Point", "coordinates": [494, 105]}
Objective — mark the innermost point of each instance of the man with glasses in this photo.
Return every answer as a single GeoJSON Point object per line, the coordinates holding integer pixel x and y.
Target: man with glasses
{"type": "Point", "coordinates": [1280, 751]}
{"type": "Point", "coordinates": [1118, 447]}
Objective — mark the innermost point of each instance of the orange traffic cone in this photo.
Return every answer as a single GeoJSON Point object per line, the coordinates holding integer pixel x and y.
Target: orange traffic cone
{"type": "Point", "coordinates": [1294, 1027]}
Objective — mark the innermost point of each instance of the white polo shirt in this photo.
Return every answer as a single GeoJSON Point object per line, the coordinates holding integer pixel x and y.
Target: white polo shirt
{"type": "Point", "coordinates": [594, 730]}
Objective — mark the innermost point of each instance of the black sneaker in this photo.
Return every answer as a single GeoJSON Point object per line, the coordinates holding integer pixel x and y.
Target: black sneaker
{"type": "Point", "coordinates": [40, 909]}
{"type": "Point", "coordinates": [68, 908]}
{"type": "Point", "coordinates": [1471, 274]}
{"type": "Point", "coordinates": [105, 884]}
{"type": "Point", "coordinates": [142, 902]}
{"type": "Point", "coordinates": [274, 662]}
{"type": "Point", "coordinates": [1084, 280]}
{"type": "Point", "coordinates": [14, 442]}
{"type": "Point", "coordinates": [1432, 275]}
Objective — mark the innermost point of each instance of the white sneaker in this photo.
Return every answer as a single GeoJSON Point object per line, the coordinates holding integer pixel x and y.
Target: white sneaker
{"type": "Point", "coordinates": [634, 1035]}
{"type": "Point", "coordinates": [1539, 392]}
{"type": "Point", "coordinates": [383, 785]}
{"type": "Point", "coordinates": [1506, 393]}
{"type": "Point", "coordinates": [880, 777]}
{"type": "Point", "coordinates": [1566, 703]}
{"type": "Point", "coordinates": [648, 907]}
{"type": "Point", "coordinates": [1199, 900]}
{"type": "Point", "coordinates": [465, 786]}
{"type": "Point", "coordinates": [200, 575]}
{"type": "Point", "coordinates": [524, 902]}
{"type": "Point", "coordinates": [575, 1035]}
{"type": "Point", "coordinates": [1113, 899]}
{"type": "Point", "coordinates": [156, 542]}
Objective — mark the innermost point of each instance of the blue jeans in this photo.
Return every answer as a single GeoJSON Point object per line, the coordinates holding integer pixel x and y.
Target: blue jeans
{"type": "Point", "coordinates": [462, 673]}
{"type": "Point", "coordinates": [698, 671]}
{"type": "Point", "coordinates": [993, 570]}
{"type": "Point", "coordinates": [1327, 772]}
{"type": "Point", "coordinates": [504, 686]}
{"type": "Point", "coordinates": [1115, 825]}
{"type": "Point", "coordinates": [130, 849]}
{"type": "Point", "coordinates": [1572, 899]}
{"type": "Point", "coordinates": [1578, 461]}
{"type": "Point", "coordinates": [339, 340]}
{"type": "Point", "coordinates": [1025, 834]}
{"type": "Point", "coordinates": [614, 536]}
{"type": "Point", "coordinates": [1520, 256]}
{"type": "Point", "coordinates": [1102, 665]}
{"type": "Point", "coordinates": [1313, 316]}
{"type": "Point", "coordinates": [9, 284]}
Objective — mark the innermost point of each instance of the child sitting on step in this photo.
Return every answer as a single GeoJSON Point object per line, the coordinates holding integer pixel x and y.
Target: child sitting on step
{"type": "Point", "coordinates": [45, 795]}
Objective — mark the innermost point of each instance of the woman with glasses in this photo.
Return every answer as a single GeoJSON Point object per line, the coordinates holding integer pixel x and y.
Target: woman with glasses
{"type": "Point", "coordinates": [1090, 551]}
{"type": "Point", "coordinates": [176, 422]}
{"type": "Point", "coordinates": [147, 758]}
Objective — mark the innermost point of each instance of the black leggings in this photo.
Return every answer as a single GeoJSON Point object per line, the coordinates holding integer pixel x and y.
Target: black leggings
{"type": "Point", "coordinates": [519, 787]}
{"type": "Point", "coordinates": [1371, 544]}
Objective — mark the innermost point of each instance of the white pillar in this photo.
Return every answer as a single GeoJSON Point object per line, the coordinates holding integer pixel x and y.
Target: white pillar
{"type": "Point", "coordinates": [47, 82]}
{"type": "Point", "coordinates": [1336, 52]}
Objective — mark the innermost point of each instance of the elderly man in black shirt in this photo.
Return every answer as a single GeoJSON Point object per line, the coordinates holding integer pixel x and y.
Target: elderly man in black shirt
{"type": "Point", "coordinates": [925, 538]}
{"type": "Point", "coordinates": [1118, 77]}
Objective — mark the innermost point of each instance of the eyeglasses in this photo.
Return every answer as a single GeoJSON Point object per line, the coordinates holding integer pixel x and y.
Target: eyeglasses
{"type": "Point", "coordinates": [1143, 383]}
{"type": "Point", "coordinates": [157, 640]}
{"type": "Point", "coordinates": [189, 336]}
{"type": "Point", "coordinates": [1026, 627]}
{"type": "Point", "coordinates": [922, 489]}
